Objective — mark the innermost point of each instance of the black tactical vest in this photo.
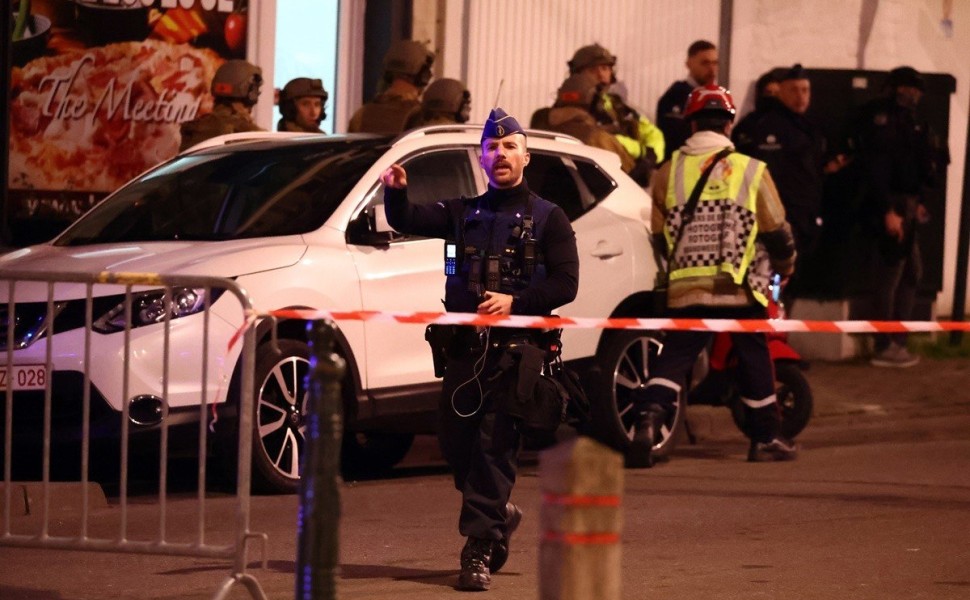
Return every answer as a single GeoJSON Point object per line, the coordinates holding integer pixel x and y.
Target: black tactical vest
{"type": "Point", "coordinates": [495, 240]}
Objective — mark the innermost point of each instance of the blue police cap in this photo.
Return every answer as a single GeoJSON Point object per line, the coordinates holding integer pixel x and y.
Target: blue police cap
{"type": "Point", "coordinates": [500, 124]}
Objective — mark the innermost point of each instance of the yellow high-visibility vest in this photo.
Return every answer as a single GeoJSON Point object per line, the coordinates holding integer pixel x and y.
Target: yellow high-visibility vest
{"type": "Point", "coordinates": [721, 236]}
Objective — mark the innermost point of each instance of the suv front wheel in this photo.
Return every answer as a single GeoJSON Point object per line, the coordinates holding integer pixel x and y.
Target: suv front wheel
{"type": "Point", "coordinates": [280, 415]}
{"type": "Point", "coordinates": [624, 360]}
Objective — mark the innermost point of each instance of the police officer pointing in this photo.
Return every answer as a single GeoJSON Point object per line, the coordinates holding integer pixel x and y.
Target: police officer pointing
{"type": "Point", "coordinates": [516, 255]}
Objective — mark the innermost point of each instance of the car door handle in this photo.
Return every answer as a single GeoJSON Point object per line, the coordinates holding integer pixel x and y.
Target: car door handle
{"type": "Point", "coordinates": [605, 249]}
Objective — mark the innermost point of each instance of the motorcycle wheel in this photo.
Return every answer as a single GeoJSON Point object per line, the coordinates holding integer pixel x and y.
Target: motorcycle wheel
{"type": "Point", "coordinates": [794, 397]}
{"type": "Point", "coordinates": [623, 366]}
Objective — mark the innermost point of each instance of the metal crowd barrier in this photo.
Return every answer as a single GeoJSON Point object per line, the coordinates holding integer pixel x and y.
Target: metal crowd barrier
{"type": "Point", "coordinates": [130, 285]}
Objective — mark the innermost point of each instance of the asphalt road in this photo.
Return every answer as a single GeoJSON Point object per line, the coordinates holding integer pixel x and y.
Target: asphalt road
{"type": "Point", "coordinates": [877, 506]}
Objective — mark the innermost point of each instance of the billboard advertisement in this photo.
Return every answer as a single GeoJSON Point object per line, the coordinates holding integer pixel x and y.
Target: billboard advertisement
{"type": "Point", "coordinates": [98, 91]}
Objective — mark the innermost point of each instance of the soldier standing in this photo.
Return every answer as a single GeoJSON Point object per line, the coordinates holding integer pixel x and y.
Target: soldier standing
{"type": "Point", "coordinates": [235, 86]}
{"type": "Point", "coordinates": [445, 102]}
{"type": "Point", "coordinates": [516, 255]}
{"type": "Point", "coordinates": [302, 103]}
{"type": "Point", "coordinates": [407, 70]}
{"type": "Point", "coordinates": [572, 114]}
{"type": "Point", "coordinates": [641, 138]}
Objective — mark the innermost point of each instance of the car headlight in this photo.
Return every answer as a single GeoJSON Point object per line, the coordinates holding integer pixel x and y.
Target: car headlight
{"type": "Point", "coordinates": [148, 308]}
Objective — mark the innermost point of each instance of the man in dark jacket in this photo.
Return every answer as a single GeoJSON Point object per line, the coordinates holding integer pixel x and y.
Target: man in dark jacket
{"type": "Point", "coordinates": [516, 255]}
{"type": "Point", "coordinates": [899, 166]}
{"type": "Point", "coordinates": [701, 71]}
{"type": "Point", "coordinates": [795, 150]}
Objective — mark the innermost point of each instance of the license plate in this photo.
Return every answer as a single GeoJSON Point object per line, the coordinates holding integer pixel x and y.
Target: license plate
{"type": "Point", "coordinates": [23, 377]}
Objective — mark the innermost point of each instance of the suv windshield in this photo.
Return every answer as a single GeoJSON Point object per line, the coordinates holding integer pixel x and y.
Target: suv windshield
{"type": "Point", "coordinates": [231, 194]}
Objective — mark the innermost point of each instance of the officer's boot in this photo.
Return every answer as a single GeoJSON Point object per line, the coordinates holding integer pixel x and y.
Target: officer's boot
{"type": "Point", "coordinates": [500, 551]}
{"type": "Point", "coordinates": [767, 443]}
{"type": "Point", "coordinates": [475, 558]}
{"type": "Point", "coordinates": [645, 435]}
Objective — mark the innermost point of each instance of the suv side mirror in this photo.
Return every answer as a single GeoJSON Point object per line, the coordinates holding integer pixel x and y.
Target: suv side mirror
{"type": "Point", "coordinates": [377, 219]}
{"type": "Point", "coordinates": [371, 228]}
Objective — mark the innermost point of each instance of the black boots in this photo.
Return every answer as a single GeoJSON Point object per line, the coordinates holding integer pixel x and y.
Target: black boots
{"type": "Point", "coordinates": [500, 550]}
{"type": "Point", "coordinates": [475, 559]}
{"type": "Point", "coordinates": [480, 558]}
{"type": "Point", "coordinates": [646, 433]}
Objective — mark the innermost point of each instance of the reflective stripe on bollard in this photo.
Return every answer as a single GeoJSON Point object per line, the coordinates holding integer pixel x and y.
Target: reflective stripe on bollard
{"type": "Point", "coordinates": [579, 547]}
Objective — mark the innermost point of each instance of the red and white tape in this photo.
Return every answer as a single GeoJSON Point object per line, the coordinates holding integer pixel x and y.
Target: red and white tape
{"type": "Point", "coordinates": [752, 325]}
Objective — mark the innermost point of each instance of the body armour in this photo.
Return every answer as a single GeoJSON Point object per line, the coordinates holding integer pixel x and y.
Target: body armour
{"type": "Point", "coordinates": [491, 242]}
{"type": "Point", "coordinates": [387, 113]}
{"type": "Point", "coordinates": [721, 239]}
{"type": "Point", "coordinates": [292, 126]}
{"type": "Point", "coordinates": [222, 120]}
{"type": "Point", "coordinates": [493, 225]}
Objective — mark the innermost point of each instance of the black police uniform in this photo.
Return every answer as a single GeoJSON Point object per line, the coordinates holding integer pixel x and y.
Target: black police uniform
{"type": "Point", "coordinates": [479, 444]}
{"type": "Point", "coordinates": [670, 115]}
{"type": "Point", "coordinates": [794, 149]}
{"type": "Point", "coordinates": [898, 165]}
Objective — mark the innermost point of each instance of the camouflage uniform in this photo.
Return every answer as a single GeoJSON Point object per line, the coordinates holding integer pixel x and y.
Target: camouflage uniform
{"type": "Point", "coordinates": [224, 118]}
{"type": "Point", "coordinates": [386, 113]}
{"type": "Point", "coordinates": [287, 125]}
{"type": "Point", "coordinates": [581, 124]}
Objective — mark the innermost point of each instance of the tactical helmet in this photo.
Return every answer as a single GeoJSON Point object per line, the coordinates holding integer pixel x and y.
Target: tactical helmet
{"type": "Point", "coordinates": [299, 88]}
{"type": "Point", "coordinates": [447, 96]}
{"type": "Point", "coordinates": [710, 100]}
{"type": "Point", "coordinates": [907, 76]}
{"type": "Point", "coordinates": [590, 56]}
{"type": "Point", "coordinates": [238, 80]}
{"type": "Point", "coordinates": [578, 90]}
{"type": "Point", "coordinates": [408, 59]}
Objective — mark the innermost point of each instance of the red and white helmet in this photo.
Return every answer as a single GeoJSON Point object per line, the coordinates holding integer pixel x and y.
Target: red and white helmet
{"type": "Point", "coordinates": [710, 98]}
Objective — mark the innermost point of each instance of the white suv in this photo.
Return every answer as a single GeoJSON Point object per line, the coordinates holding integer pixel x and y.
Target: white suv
{"type": "Point", "coordinates": [296, 221]}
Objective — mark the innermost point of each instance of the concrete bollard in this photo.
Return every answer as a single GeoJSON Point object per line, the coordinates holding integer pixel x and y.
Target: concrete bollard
{"type": "Point", "coordinates": [581, 482]}
{"type": "Point", "coordinates": [319, 514]}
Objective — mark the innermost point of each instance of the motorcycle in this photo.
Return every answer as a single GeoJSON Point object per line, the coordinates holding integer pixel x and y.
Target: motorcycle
{"type": "Point", "coordinates": [625, 364]}
{"type": "Point", "coordinates": [716, 383]}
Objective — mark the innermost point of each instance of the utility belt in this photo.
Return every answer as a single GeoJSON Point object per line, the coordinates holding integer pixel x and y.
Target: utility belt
{"type": "Point", "coordinates": [531, 382]}
{"type": "Point", "coordinates": [454, 342]}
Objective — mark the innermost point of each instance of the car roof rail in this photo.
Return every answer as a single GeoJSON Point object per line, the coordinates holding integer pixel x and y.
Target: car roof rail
{"type": "Point", "coordinates": [463, 128]}
{"type": "Point", "coordinates": [245, 136]}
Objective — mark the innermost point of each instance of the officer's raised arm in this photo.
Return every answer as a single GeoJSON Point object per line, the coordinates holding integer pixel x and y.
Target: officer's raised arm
{"type": "Point", "coordinates": [402, 215]}
{"type": "Point", "coordinates": [395, 177]}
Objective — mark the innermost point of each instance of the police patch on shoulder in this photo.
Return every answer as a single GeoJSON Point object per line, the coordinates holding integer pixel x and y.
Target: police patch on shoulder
{"type": "Point", "coordinates": [770, 144]}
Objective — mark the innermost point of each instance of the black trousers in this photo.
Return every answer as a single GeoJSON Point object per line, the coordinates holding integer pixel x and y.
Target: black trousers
{"type": "Point", "coordinates": [481, 446]}
{"type": "Point", "coordinates": [895, 282]}
{"type": "Point", "coordinates": [756, 378]}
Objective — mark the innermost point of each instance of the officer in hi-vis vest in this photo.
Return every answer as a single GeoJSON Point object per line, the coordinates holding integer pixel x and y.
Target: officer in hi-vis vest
{"type": "Point", "coordinates": [721, 249]}
{"type": "Point", "coordinates": [510, 252]}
